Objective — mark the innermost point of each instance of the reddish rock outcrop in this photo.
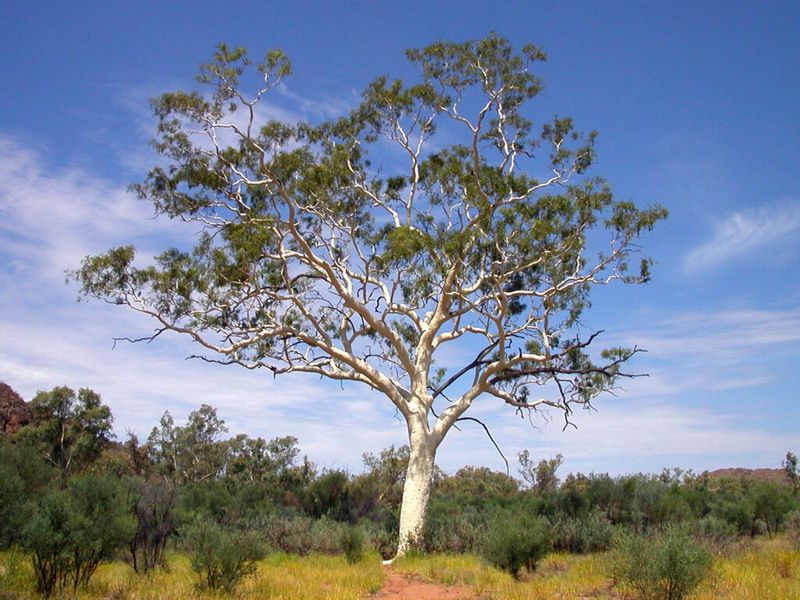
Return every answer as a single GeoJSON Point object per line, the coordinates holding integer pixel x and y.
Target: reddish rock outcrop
{"type": "Point", "coordinates": [14, 413]}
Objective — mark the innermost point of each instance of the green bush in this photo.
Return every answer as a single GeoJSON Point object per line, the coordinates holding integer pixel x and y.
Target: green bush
{"type": "Point", "coordinates": [49, 536]}
{"type": "Point", "coordinates": [12, 501]}
{"type": "Point", "coordinates": [593, 533]}
{"type": "Point", "coordinates": [663, 567]}
{"type": "Point", "coordinates": [221, 557]}
{"type": "Point", "coordinates": [793, 528]}
{"type": "Point", "coordinates": [300, 535]}
{"type": "Point", "coordinates": [153, 506]}
{"type": "Point", "coordinates": [72, 531]}
{"type": "Point", "coordinates": [452, 528]}
{"type": "Point", "coordinates": [382, 539]}
{"type": "Point", "coordinates": [351, 539]}
{"type": "Point", "coordinates": [717, 532]}
{"type": "Point", "coordinates": [516, 541]}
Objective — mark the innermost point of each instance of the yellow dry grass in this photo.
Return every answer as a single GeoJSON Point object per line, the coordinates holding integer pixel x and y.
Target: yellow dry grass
{"type": "Point", "coordinates": [558, 576]}
{"type": "Point", "coordinates": [760, 570]}
{"type": "Point", "coordinates": [279, 577]}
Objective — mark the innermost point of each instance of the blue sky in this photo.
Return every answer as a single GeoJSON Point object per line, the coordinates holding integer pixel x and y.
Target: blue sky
{"type": "Point", "coordinates": [696, 105]}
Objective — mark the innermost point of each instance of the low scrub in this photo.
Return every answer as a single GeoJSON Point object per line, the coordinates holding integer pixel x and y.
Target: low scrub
{"type": "Point", "coordinates": [592, 533]}
{"type": "Point", "coordinates": [222, 558]}
{"type": "Point", "coordinates": [352, 541]}
{"type": "Point", "coordinates": [514, 542]}
{"type": "Point", "coordinates": [663, 567]}
{"type": "Point", "coordinates": [793, 528]}
{"type": "Point", "coordinates": [72, 531]}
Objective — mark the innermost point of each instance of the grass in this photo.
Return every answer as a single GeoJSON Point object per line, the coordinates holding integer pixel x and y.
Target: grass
{"type": "Point", "coordinates": [765, 570]}
{"type": "Point", "coordinates": [558, 575]}
{"type": "Point", "coordinates": [761, 569]}
{"type": "Point", "coordinates": [279, 577]}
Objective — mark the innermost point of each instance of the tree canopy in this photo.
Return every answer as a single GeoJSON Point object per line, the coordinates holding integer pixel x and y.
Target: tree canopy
{"type": "Point", "coordinates": [434, 214]}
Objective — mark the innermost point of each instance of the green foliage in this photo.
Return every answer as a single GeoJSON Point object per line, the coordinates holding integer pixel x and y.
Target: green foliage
{"type": "Point", "coordinates": [405, 265]}
{"type": "Point", "coordinates": [257, 460]}
{"type": "Point", "coordinates": [103, 526]}
{"type": "Point", "coordinates": [540, 477]}
{"type": "Point", "coordinates": [301, 535]}
{"type": "Point", "coordinates": [25, 461]}
{"type": "Point", "coordinates": [664, 567]}
{"type": "Point", "coordinates": [388, 470]}
{"type": "Point", "coordinates": [73, 530]}
{"type": "Point", "coordinates": [477, 483]}
{"type": "Point", "coordinates": [70, 430]}
{"type": "Point", "coordinates": [793, 528]}
{"type": "Point", "coordinates": [717, 533]}
{"type": "Point", "coordinates": [12, 505]}
{"type": "Point", "coordinates": [516, 541]}
{"type": "Point", "coordinates": [153, 506]}
{"type": "Point", "coordinates": [207, 500]}
{"type": "Point", "coordinates": [452, 527]}
{"type": "Point", "coordinates": [792, 470]}
{"type": "Point", "coordinates": [352, 541]}
{"type": "Point", "coordinates": [771, 503]}
{"type": "Point", "coordinates": [221, 557]}
{"type": "Point", "coordinates": [591, 533]}
{"type": "Point", "coordinates": [49, 535]}
{"type": "Point", "coordinates": [327, 496]}
{"type": "Point", "coordinates": [193, 452]}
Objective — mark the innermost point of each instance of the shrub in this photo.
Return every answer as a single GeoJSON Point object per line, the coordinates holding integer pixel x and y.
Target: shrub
{"type": "Point", "coordinates": [793, 528]}
{"type": "Point", "coordinates": [221, 557]}
{"type": "Point", "coordinates": [300, 535]}
{"type": "Point", "coordinates": [12, 501]}
{"type": "Point", "coordinates": [49, 536]}
{"type": "Point", "coordinates": [104, 525]}
{"type": "Point", "coordinates": [516, 541]}
{"type": "Point", "coordinates": [592, 533]}
{"type": "Point", "coordinates": [664, 567]}
{"type": "Point", "coordinates": [454, 529]}
{"type": "Point", "coordinates": [717, 532]}
{"type": "Point", "coordinates": [292, 535]}
{"type": "Point", "coordinates": [382, 539]}
{"type": "Point", "coordinates": [351, 539]}
{"type": "Point", "coordinates": [772, 502]}
{"type": "Point", "coordinates": [152, 504]}
{"type": "Point", "coordinates": [72, 531]}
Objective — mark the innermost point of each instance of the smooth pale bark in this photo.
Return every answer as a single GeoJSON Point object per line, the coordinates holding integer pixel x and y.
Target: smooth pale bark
{"type": "Point", "coordinates": [419, 479]}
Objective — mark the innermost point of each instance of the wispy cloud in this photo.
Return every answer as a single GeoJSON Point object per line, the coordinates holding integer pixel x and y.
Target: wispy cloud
{"type": "Point", "coordinates": [624, 436]}
{"type": "Point", "coordinates": [51, 216]}
{"type": "Point", "coordinates": [743, 232]}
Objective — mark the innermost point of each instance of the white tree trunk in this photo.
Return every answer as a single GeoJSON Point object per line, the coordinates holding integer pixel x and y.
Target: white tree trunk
{"type": "Point", "coordinates": [417, 488]}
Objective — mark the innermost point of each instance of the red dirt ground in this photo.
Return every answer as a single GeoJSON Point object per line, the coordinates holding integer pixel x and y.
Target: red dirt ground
{"type": "Point", "coordinates": [400, 587]}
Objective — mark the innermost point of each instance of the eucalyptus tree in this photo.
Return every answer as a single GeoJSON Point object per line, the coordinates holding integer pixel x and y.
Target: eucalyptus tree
{"type": "Point", "coordinates": [435, 214]}
{"type": "Point", "coordinates": [70, 430]}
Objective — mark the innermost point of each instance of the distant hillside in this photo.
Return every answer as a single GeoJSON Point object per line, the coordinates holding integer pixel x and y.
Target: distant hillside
{"type": "Point", "coordinates": [14, 413]}
{"type": "Point", "coordinates": [768, 475]}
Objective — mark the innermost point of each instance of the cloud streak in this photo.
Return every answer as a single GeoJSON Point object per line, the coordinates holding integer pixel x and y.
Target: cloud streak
{"type": "Point", "coordinates": [742, 233]}
{"type": "Point", "coordinates": [50, 217]}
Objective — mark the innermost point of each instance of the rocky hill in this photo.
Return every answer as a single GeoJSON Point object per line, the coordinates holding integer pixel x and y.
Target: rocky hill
{"type": "Point", "coordinates": [14, 413]}
{"type": "Point", "coordinates": [767, 475]}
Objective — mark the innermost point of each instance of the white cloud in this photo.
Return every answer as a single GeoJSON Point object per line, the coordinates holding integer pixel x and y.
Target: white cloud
{"type": "Point", "coordinates": [741, 233]}
{"type": "Point", "coordinates": [624, 436]}
{"type": "Point", "coordinates": [722, 337]}
{"type": "Point", "coordinates": [53, 216]}
{"type": "Point", "coordinates": [50, 217]}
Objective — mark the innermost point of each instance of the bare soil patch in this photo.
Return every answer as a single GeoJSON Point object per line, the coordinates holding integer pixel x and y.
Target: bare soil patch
{"type": "Point", "coordinates": [401, 587]}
